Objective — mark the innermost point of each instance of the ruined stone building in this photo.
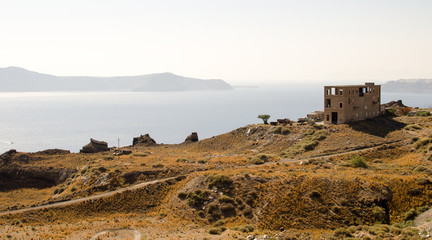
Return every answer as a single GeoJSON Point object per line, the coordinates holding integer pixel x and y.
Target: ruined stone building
{"type": "Point", "coordinates": [343, 104]}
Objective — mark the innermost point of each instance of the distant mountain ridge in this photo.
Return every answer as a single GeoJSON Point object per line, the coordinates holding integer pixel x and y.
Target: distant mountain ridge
{"type": "Point", "coordinates": [15, 79]}
{"type": "Point", "coordinates": [408, 85]}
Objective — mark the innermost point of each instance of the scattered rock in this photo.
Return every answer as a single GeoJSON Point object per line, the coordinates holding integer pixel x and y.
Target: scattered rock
{"type": "Point", "coordinates": [122, 152]}
{"type": "Point", "coordinates": [263, 237]}
{"type": "Point", "coordinates": [192, 138]}
{"type": "Point", "coordinates": [144, 140]}
{"type": "Point", "coordinates": [95, 146]}
{"type": "Point", "coordinates": [102, 180]}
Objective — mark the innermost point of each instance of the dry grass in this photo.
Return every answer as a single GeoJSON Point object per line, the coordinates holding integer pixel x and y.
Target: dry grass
{"type": "Point", "coordinates": [313, 198]}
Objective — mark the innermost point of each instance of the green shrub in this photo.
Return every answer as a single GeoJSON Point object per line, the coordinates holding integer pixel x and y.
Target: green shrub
{"type": "Point", "coordinates": [247, 212]}
{"type": "Point", "coordinates": [395, 230]}
{"type": "Point", "coordinates": [197, 198]}
{"type": "Point", "coordinates": [422, 209]}
{"type": "Point", "coordinates": [261, 158]}
{"type": "Point", "coordinates": [58, 190]}
{"type": "Point", "coordinates": [201, 213]}
{"type": "Point", "coordinates": [410, 215]}
{"type": "Point", "coordinates": [423, 181]}
{"type": "Point", "coordinates": [342, 232]}
{"type": "Point", "coordinates": [228, 209]}
{"type": "Point", "coordinates": [215, 231]}
{"type": "Point", "coordinates": [390, 112]}
{"type": "Point", "coordinates": [285, 131]}
{"type": "Point", "coordinates": [282, 130]}
{"type": "Point", "coordinates": [219, 223]}
{"type": "Point", "coordinates": [219, 181]}
{"type": "Point", "coordinates": [422, 142]}
{"type": "Point", "coordinates": [184, 160]}
{"type": "Point", "coordinates": [182, 195]}
{"type": "Point", "coordinates": [102, 169]}
{"type": "Point", "coordinates": [203, 161]}
{"type": "Point", "coordinates": [244, 228]}
{"type": "Point", "coordinates": [379, 214]}
{"type": "Point", "coordinates": [358, 161]}
{"type": "Point", "coordinates": [108, 158]}
{"type": "Point", "coordinates": [420, 169]}
{"type": "Point", "coordinates": [309, 132]}
{"type": "Point", "coordinates": [141, 154]}
{"type": "Point", "coordinates": [412, 127]}
{"type": "Point", "coordinates": [277, 130]}
{"type": "Point", "coordinates": [308, 143]}
{"type": "Point", "coordinates": [257, 161]}
{"type": "Point", "coordinates": [213, 207]}
{"type": "Point", "coordinates": [423, 113]}
{"type": "Point", "coordinates": [226, 199]}
{"type": "Point", "coordinates": [158, 166]}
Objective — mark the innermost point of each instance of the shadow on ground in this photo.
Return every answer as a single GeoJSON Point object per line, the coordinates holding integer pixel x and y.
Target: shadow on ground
{"type": "Point", "coordinates": [380, 127]}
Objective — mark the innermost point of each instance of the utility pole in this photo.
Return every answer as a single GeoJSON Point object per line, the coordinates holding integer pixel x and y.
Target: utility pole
{"type": "Point", "coordinates": [118, 149]}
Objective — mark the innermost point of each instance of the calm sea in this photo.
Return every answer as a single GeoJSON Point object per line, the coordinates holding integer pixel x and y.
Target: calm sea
{"type": "Point", "coordinates": [37, 121]}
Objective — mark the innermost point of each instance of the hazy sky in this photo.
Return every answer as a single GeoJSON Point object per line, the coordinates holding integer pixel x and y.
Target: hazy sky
{"type": "Point", "coordinates": [240, 41]}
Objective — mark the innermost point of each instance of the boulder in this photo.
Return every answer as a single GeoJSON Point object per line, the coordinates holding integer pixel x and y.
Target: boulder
{"type": "Point", "coordinates": [192, 138]}
{"type": "Point", "coordinates": [95, 146]}
{"type": "Point", "coordinates": [144, 140]}
{"type": "Point", "coordinates": [118, 152]}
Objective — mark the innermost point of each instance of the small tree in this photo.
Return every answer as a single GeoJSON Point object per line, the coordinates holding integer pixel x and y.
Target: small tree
{"type": "Point", "coordinates": [264, 117]}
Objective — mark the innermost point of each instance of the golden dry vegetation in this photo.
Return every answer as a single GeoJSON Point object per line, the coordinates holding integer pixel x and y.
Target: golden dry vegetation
{"type": "Point", "coordinates": [365, 179]}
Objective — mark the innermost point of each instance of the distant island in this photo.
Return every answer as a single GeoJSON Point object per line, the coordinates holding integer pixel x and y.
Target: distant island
{"type": "Point", "coordinates": [15, 79]}
{"type": "Point", "coordinates": [408, 85]}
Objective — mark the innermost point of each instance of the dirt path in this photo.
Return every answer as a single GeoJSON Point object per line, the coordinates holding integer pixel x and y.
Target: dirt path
{"type": "Point", "coordinates": [423, 218]}
{"type": "Point", "coordinates": [102, 195]}
{"type": "Point", "coordinates": [423, 221]}
{"type": "Point", "coordinates": [289, 160]}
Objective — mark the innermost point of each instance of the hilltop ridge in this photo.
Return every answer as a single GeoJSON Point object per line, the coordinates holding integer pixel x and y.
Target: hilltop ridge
{"type": "Point", "coordinates": [15, 79]}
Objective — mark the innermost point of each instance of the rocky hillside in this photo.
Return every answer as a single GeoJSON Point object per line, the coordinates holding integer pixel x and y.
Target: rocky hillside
{"type": "Point", "coordinates": [299, 181]}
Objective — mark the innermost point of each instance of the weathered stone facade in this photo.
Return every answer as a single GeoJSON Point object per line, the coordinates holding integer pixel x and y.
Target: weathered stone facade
{"type": "Point", "coordinates": [343, 104]}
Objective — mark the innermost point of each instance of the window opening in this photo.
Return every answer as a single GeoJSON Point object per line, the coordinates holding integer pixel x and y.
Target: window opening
{"type": "Point", "coordinates": [328, 103]}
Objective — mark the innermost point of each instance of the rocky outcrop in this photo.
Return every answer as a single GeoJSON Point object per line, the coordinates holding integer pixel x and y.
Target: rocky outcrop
{"type": "Point", "coordinates": [95, 146]}
{"type": "Point", "coordinates": [144, 140]}
{"type": "Point", "coordinates": [394, 104]}
{"type": "Point", "coordinates": [192, 138]}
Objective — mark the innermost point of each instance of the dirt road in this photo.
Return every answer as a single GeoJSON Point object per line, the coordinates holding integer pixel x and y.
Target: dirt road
{"type": "Point", "coordinates": [102, 195]}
